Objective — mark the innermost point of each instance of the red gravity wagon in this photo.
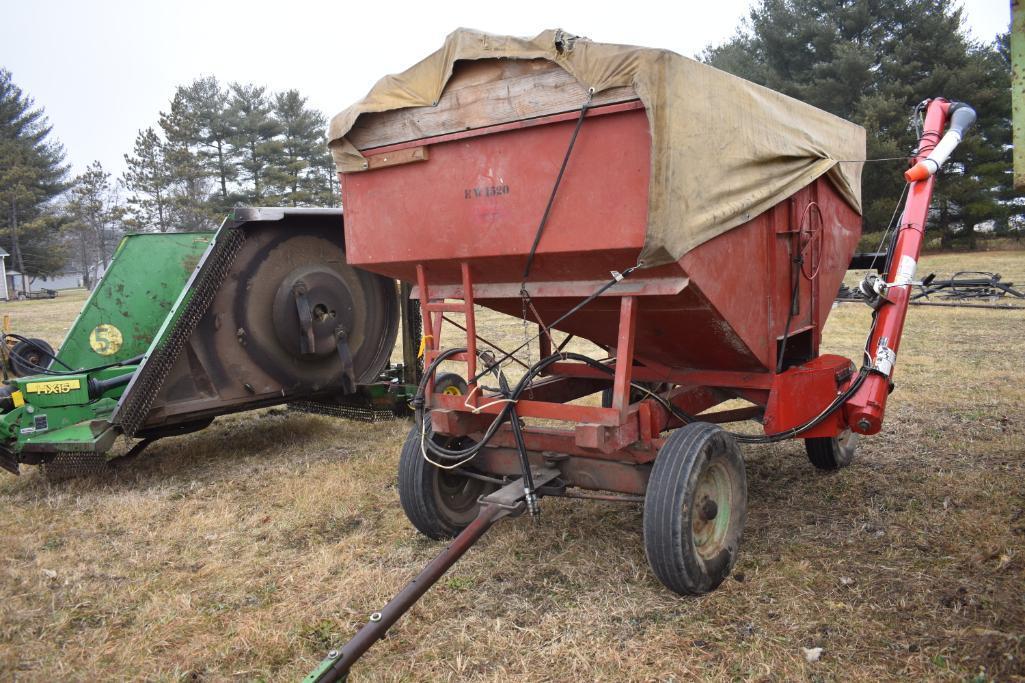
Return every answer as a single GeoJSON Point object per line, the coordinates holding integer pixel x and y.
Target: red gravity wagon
{"type": "Point", "coordinates": [693, 225]}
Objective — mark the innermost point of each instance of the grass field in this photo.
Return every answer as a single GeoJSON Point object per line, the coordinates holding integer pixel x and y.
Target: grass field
{"type": "Point", "coordinates": [245, 551]}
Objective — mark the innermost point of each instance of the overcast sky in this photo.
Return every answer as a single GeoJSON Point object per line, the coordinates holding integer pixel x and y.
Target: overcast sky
{"type": "Point", "coordinates": [105, 69]}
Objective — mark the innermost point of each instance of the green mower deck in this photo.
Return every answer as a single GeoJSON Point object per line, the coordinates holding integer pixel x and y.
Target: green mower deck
{"type": "Point", "coordinates": [184, 327]}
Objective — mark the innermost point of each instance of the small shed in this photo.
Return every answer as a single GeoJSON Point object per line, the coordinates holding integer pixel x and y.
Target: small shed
{"type": "Point", "coordinates": [4, 292]}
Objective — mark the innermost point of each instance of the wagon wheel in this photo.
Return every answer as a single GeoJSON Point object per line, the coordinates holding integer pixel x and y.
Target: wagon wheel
{"type": "Point", "coordinates": [29, 356]}
{"type": "Point", "coordinates": [439, 503]}
{"type": "Point", "coordinates": [695, 508]}
{"type": "Point", "coordinates": [832, 452]}
{"type": "Point", "coordinates": [451, 384]}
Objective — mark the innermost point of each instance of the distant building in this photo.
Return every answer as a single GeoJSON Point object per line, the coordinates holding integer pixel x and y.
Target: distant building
{"type": "Point", "coordinates": [59, 281]}
{"type": "Point", "coordinates": [12, 282]}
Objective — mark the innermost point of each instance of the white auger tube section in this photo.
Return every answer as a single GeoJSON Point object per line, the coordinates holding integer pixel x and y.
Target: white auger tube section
{"type": "Point", "coordinates": [961, 117]}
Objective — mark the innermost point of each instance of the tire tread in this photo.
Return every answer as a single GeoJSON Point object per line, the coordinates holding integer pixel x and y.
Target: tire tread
{"type": "Point", "coordinates": [664, 532]}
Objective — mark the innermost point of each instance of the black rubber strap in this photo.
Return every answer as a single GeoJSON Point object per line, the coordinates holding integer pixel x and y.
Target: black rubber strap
{"type": "Point", "coordinates": [555, 188]}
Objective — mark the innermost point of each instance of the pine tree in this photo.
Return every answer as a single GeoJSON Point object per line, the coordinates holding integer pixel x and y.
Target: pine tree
{"type": "Point", "coordinates": [304, 151]}
{"type": "Point", "coordinates": [148, 178]}
{"type": "Point", "coordinates": [208, 103]}
{"type": "Point", "coordinates": [32, 173]}
{"type": "Point", "coordinates": [216, 148]}
{"type": "Point", "coordinates": [95, 208]}
{"type": "Point", "coordinates": [255, 137]}
{"type": "Point", "coordinates": [872, 61]}
{"type": "Point", "coordinates": [191, 184]}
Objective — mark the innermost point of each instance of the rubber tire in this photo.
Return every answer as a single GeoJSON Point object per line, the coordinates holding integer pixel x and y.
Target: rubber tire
{"type": "Point", "coordinates": [20, 366]}
{"type": "Point", "coordinates": [417, 493]}
{"type": "Point", "coordinates": [635, 394]}
{"type": "Point", "coordinates": [831, 453]}
{"type": "Point", "coordinates": [449, 382]}
{"type": "Point", "coordinates": [669, 507]}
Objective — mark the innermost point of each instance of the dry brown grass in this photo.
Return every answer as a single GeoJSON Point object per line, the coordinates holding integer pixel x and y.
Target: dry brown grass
{"type": "Point", "coordinates": [47, 319]}
{"type": "Point", "coordinates": [246, 550]}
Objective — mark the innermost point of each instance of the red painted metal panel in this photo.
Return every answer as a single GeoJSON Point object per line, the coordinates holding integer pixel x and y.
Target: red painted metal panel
{"type": "Point", "coordinates": [481, 199]}
{"type": "Point", "coordinates": [454, 207]}
{"type": "Point", "coordinates": [462, 222]}
{"type": "Point", "coordinates": [802, 392]}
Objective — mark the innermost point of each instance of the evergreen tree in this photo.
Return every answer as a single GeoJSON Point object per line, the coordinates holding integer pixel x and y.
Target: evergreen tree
{"type": "Point", "coordinates": [190, 188]}
{"type": "Point", "coordinates": [216, 148]}
{"type": "Point", "coordinates": [208, 103]}
{"type": "Point", "coordinates": [148, 178]}
{"type": "Point", "coordinates": [304, 151]}
{"type": "Point", "coordinates": [83, 254]}
{"type": "Point", "coordinates": [255, 137]}
{"type": "Point", "coordinates": [94, 206]}
{"type": "Point", "coordinates": [32, 173]}
{"type": "Point", "coordinates": [872, 61]}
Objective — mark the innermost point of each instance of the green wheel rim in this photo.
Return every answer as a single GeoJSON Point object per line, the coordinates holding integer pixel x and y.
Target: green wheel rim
{"type": "Point", "coordinates": [712, 510]}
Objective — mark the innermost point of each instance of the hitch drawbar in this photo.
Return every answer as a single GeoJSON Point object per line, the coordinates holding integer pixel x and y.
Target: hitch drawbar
{"type": "Point", "coordinates": [508, 501]}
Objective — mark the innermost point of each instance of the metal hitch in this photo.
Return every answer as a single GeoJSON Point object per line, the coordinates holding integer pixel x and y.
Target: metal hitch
{"type": "Point", "coordinates": [507, 501]}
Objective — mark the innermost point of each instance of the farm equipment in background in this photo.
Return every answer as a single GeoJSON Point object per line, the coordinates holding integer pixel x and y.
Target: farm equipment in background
{"type": "Point", "coordinates": [966, 288]}
{"type": "Point", "coordinates": [184, 327]}
{"type": "Point", "coordinates": [19, 356]}
{"type": "Point", "coordinates": [506, 131]}
{"type": "Point", "coordinates": [968, 284]}
{"type": "Point", "coordinates": [36, 295]}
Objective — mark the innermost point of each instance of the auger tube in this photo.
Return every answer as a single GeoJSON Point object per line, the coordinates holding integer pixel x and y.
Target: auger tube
{"type": "Point", "coordinates": [864, 411]}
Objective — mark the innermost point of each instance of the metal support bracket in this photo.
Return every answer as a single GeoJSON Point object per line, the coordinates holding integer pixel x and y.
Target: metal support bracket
{"type": "Point", "coordinates": [307, 340]}
{"type": "Point", "coordinates": [345, 355]}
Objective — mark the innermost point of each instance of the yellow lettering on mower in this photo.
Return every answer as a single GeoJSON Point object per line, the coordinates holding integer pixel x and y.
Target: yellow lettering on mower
{"type": "Point", "coordinates": [59, 386]}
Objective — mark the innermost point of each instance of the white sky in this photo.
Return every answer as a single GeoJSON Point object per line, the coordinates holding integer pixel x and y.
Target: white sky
{"type": "Point", "coordinates": [105, 69]}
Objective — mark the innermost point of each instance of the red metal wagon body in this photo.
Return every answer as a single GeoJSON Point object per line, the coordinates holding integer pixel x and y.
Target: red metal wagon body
{"type": "Point", "coordinates": [456, 215]}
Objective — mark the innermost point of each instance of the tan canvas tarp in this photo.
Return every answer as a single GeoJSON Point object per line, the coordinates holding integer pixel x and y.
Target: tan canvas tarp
{"type": "Point", "coordinates": [723, 149]}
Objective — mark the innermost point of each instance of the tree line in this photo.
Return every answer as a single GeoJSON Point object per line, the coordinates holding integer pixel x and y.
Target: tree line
{"type": "Point", "coordinates": [219, 146]}
{"type": "Point", "coordinates": [215, 147]}
{"type": "Point", "coordinates": [871, 62]}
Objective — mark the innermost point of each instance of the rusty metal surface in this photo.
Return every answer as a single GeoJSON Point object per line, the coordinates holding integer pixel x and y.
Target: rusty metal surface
{"type": "Point", "coordinates": [576, 471]}
{"type": "Point", "coordinates": [376, 628]}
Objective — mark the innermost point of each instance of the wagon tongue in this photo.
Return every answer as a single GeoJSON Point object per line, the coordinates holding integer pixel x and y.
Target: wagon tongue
{"type": "Point", "coordinates": [507, 501]}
